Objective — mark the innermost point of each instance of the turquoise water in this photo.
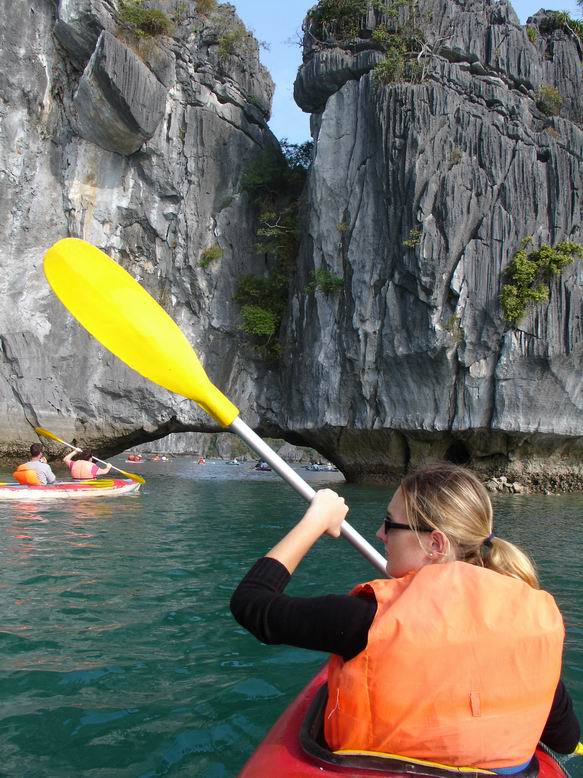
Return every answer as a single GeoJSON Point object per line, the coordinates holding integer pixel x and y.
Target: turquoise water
{"type": "Point", "coordinates": [118, 654]}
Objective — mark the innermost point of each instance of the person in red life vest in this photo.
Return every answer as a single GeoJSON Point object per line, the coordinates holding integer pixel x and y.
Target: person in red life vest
{"type": "Point", "coordinates": [82, 467]}
{"type": "Point", "coordinates": [35, 472]}
{"type": "Point", "coordinates": [455, 658]}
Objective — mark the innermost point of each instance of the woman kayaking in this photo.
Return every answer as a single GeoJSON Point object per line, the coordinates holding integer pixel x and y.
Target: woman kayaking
{"type": "Point", "coordinates": [454, 659]}
{"type": "Point", "coordinates": [82, 467]}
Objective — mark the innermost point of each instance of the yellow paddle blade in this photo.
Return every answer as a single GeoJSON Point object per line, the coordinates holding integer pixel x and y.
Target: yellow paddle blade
{"type": "Point", "coordinates": [132, 476]}
{"type": "Point", "coordinates": [122, 316]}
{"type": "Point", "coordinates": [579, 749]}
{"type": "Point", "coordinates": [48, 434]}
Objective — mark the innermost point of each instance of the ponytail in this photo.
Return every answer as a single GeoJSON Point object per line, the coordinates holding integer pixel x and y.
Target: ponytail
{"type": "Point", "coordinates": [506, 558]}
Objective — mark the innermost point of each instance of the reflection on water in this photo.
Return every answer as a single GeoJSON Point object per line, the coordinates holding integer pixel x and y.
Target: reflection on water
{"type": "Point", "coordinates": [118, 653]}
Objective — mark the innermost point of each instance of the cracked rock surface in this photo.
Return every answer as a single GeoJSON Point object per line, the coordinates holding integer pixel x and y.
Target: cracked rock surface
{"type": "Point", "coordinates": [413, 359]}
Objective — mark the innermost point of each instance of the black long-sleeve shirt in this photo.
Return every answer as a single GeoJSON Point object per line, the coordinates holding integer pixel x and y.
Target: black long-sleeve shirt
{"type": "Point", "coordinates": [339, 624]}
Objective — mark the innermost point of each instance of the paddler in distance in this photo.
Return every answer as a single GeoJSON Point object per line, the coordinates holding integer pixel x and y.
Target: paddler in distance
{"type": "Point", "coordinates": [37, 471]}
{"type": "Point", "coordinates": [82, 467]}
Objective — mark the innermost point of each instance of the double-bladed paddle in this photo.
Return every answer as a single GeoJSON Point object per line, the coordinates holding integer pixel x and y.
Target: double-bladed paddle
{"type": "Point", "coordinates": [124, 318]}
{"type": "Point", "coordinates": [47, 434]}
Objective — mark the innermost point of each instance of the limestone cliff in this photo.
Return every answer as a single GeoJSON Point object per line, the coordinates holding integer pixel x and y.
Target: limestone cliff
{"type": "Point", "coordinates": [419, 194]}
{"type": "Point", "coordinates": [418, 197]}
{"type": "Point", "coordinates": [138, 145]}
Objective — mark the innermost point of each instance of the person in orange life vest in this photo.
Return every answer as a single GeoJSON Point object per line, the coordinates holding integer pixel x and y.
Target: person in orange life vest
{"type": "Point", "coordinates": [455, 659]}
{"type": "Point", "coordinates": [36, 471]}
{"type": "Point", "coordinates": [81, 466]}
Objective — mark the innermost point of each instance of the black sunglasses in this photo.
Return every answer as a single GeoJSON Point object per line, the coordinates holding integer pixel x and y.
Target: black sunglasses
{"type": "Point", "coordinates": [390, 524]}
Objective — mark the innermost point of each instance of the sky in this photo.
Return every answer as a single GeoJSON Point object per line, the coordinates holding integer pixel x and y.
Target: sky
{"type": "Point", "coordinates": [279, 22]}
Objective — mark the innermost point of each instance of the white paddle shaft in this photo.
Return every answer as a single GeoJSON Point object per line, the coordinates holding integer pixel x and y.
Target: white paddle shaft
{"type": "Point", "coordinates": [297, 482]}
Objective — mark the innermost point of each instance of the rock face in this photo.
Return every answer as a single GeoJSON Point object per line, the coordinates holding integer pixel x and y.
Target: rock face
{"type": "Point", "coordinates": [413, 359]}
{"type": "Point", "coordinates": [138, 146]}
{"type": "Point", "coordinates": [120, 102]}
{"type": "Point", "coordinates": [418, 196]}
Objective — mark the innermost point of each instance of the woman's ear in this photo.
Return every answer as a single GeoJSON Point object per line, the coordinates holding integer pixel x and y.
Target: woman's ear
{"type": "Point", "coordinates": [439, 544]}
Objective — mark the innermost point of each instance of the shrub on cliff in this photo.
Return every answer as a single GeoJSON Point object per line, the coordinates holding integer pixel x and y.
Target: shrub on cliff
{"type": "Point", "coordinates": [404, 44]}
{"type": "Point", "coordinates": [233, 38]}
{"type": "Point", "coordinates": [277, 234]}
{"type": "Point", "coordinates": [529, 274]}
{"type": "Point", "coordinates": [340, 19]}
{"type": "Point", "coordinates": [231, 41]}
{"type": "Point", "coordinates": [549, 100]}
{"type": "Point", "coordinates": [263, 302]}
{"type": "Point", "coordinates": [259, 321]}
{"type": "Point", "coordinates": [142, 20]}
{"type": "Point", "coordinates": [269, 292]}
{"type": "Point", "coordinates": [325, 281]}
{"type": "Point", "coordinates": [205, 7]}
{"type": "Point", "coordinates": [392, 68]}
{"type": "Point", "coordinates": [210, 254]}
{"type": "Point", "coordinates": [274, 182]}
{"type": "Point", "coordinates": [273, 174]}
{"type": "Point", "coordinates": [562, 21]}
{"type": "Point", "coordinates": [414, 238]}
{"type": "Point", "coordinates": [266, 176]}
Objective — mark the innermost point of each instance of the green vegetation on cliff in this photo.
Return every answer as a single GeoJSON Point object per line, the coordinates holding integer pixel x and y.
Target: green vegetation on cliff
{"type": "Point", "coordinates": [274, 182]}
{"type": "Point", "coordinates": [529, 274]}
{"type": "Point", "coordinates": [342, 19]}
{"type": "Point", "coordinates": [562, 21]}
{"type": "Point", "coordinates": [414, 238]}
{"type": "Point", "coordinates": [210, 254]}
{"type": "Point", "coordinates": [549, 100]}
{"type": "Point", "coordinates": [205, 7]}
{"type": "Point", "coordinates": [397, 33]}
{"type": "Point", "coordinates": [142, 20]}
{"type": "Point", "coordinates": [325, 281]}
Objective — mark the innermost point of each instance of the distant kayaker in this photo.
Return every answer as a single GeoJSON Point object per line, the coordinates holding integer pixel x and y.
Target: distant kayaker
{"type": "Point", "coordinates": [35, 472]}
{"type": "Point", "coordinates": [82, 467]}
{"type": "Point", "coordinates": [455, 659]}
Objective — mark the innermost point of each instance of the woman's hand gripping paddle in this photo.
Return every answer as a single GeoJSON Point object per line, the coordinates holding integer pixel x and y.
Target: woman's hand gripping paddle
{"type": "Point", "coordinates": [47, 434]}
{"type": "Point", "coordinates": [122, 316]}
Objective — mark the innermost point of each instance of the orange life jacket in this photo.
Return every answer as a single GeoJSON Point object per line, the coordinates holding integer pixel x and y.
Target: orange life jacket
{"type": "Point", "coordinates": [25, 475]}
{"type": "Point", "coordinates": [82, 470]}
{"type": "Point", "coordinates": [461, 667]}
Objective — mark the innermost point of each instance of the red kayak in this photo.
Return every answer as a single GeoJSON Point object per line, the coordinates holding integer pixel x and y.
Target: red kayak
{"type": "Point", "coordinates": [294, 748]}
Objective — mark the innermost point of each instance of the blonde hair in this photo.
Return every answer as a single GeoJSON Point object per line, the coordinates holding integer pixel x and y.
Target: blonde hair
{"type": "Point", "coordinates": [451, 499]}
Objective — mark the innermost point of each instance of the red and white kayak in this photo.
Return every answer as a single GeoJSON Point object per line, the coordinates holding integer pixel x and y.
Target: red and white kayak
{"type": "Point", "coordinates": [66, 490]}
{"type": "Point", "coordinates": [294, 748]}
